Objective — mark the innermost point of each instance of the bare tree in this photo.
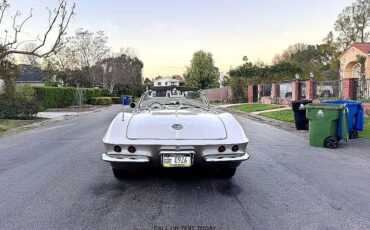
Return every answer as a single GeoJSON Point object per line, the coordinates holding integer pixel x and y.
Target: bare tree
{"type": "Point", "coordinates": [286, 54]}
{"type": "Point", "coordinates": [59, 19]}
{"type": "Point", "coordinates": [352, 24]}
{"type": "Point", "coordinates": [88, 48]}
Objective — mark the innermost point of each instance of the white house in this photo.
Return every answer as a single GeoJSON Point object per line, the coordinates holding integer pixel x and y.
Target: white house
{"type": "Point", "coordinates": [166, 81]}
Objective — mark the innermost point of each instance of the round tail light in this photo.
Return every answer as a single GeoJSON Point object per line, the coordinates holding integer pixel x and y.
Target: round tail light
{"type": "Point", "coordinates": [221, 149]}
{"type": "Point", "coordinates": [117, 148]}
{"type": "Point", "coordinates": [235, 148]}
{"type": "Point", "coordinates": [131, 149]}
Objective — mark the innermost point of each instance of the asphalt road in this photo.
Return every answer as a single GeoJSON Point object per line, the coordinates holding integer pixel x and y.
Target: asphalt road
{"type": "Point", "coordinates": [53, 178]}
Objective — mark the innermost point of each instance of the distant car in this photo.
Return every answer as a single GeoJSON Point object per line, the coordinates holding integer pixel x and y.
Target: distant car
{"type": "Point", "coordinates": [181, 131]}
{"type": "Point", "coordinates": [325, 91]}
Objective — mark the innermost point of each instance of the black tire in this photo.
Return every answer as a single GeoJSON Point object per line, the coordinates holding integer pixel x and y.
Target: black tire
{"type": "Point", "coordinates": [331, 143]}
{"type": "Point", "coordinates": [119, 173]}
{"type": "Point", "coordinates": [352, 134]}
{"type": "Point", "coordinates": [228, 172]}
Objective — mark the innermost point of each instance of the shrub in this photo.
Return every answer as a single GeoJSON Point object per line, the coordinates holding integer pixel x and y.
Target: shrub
{"type": "Point", "coordinates": [90, 93]}
{"type": "Point", "coordinates": [100, 101]}
{"type": "Point", "coordinates": [18, 108]}
{"type": "Point", "coordinates": [116, 100]}
{"type": "Point", "coordinates": [60, 97]}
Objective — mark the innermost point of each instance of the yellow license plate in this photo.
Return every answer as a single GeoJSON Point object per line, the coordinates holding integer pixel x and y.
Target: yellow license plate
{"type": "Point", "coordinates": [176, 161]}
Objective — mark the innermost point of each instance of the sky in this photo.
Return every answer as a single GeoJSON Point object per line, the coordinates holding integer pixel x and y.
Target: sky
{"type": "Point", "coordinates": [166, 33]}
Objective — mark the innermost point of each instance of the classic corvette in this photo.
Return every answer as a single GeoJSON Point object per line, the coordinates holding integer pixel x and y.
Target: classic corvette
{"type": "Point", "coordinates": [175, 130]}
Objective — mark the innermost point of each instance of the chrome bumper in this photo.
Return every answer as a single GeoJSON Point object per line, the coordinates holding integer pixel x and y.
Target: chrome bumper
{"type": "Point", "coordinates": [119, 158]}
{"type": "Point", "coordinates": [226, 158]}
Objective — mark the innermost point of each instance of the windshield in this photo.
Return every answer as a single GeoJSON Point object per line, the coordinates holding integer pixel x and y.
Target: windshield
{"type": "Point", "coordinates": [173, 100]}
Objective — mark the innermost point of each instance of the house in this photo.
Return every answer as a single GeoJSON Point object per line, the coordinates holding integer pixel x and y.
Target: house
{"type": "Point", "coordinates": [350, 71]}
{"type": "Point", "coordinates": [349, 68]}
{"type": "Point", "coordinates": [171, 91]}
{"type": "Point", "coordinates": [166, 81]}
{"type": "Point", "coordinates": [169, 87]}
{"type": "Point", "coordinates": [30, 75]}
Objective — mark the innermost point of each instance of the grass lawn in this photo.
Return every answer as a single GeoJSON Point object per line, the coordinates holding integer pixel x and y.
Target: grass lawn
{"type": "Point", "coordinates": [215, 102]}
{"type": "Point", "coordinates": [366, 132]}
{"type": "Point", "coordinates": [254, 107]}
{"type": "Point", "coordinates": [283, 115]}
{"type": "Point", "coordinates": [6, 124]}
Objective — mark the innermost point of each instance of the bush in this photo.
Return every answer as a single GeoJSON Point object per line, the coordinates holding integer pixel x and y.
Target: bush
{"type": "Point", "coordinates": [18, 108]}
{"type": "Point", "coordinates": [116, 100]}
{"type": "Point", "coordinates": [100, 101]}
{"type": "Point", "coordinates": [60, 97]}
{"type": "Point", "coordinates": [90, 93]}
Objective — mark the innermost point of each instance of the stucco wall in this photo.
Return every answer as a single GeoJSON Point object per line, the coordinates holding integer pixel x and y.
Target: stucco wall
{"type": "Point", "coordinates": [348, 61]}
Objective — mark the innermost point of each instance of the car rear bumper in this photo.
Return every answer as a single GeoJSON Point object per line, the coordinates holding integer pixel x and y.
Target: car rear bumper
{"type": "Point", "coordinates": [129, 159]}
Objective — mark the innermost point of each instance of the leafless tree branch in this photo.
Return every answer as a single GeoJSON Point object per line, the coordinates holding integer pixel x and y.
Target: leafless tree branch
{"type": "Point", "coordinates": [60, 14]}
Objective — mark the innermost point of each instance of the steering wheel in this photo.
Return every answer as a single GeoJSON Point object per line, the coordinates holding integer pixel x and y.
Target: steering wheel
{"type": "Point", "coordinates": [156, 105]}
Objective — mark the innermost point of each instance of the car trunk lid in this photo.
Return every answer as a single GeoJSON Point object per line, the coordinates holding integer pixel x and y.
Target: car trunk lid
{"type": "Point", "coordinates": [177, 126]}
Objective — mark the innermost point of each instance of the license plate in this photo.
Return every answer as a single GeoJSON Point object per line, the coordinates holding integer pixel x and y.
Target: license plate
{"type": "Point", "coordinates": [176, 161]}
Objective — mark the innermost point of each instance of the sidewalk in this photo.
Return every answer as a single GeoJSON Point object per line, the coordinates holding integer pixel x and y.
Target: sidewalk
{"type": "Point", "coordinates": [271, 110]}
{"type": "Point", "coordinates": [62, 113]}
{"type": "Point", "coordinates": [229, 105]}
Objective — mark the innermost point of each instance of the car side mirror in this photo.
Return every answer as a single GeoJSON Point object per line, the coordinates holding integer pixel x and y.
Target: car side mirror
{"type": "Point", "coordinates": [132, 105]}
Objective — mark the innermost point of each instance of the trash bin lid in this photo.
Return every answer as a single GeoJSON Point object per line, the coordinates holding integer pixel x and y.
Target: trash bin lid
{"type": "Point", "coordinates": [326, 106]}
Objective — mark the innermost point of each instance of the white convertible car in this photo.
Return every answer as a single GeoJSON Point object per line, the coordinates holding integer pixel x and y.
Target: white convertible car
{"type": "Point", "coordinates": [175, 130]}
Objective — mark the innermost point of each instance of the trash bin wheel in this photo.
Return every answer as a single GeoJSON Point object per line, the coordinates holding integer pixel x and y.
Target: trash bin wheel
{"type": "Point", "coordinates": [353, 134]}
{"type": "Point", "coordinates": [331, 143]}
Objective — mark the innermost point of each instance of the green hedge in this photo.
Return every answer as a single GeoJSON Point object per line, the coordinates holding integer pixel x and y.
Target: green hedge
{"type": "Point", "coordinates": [18, 108]}
{"type": "Point", "coordinates": [59, 97]}
{"type": "Point", "coordinates": [100, 101]}
{"type": "Point", "coordinates": [116, 100]}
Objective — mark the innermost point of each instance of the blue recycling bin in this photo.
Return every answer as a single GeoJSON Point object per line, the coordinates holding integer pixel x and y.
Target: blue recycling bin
{"type": "Point", "coordinates": [125, 100]}
{"type": "Point", "coordinates": [355, 116]}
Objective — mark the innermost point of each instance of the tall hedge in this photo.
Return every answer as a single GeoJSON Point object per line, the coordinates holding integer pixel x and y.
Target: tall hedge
{"type": "Point", "coordinates": [59, 97]}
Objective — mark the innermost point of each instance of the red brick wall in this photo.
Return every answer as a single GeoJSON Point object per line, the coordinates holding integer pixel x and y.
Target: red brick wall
{"type": "Point", "coordinates": [275, 90]}
{"type": "Point", "coordinates": [311, 89]}
{"type": "Point", "coordinates": [349, 89]}
{"type": "Point", "coordinates": [250, 93]}
{"type": "Point", "coordinates": [295, 90]}
{"type": "Point", "coordinates": [266, 100]}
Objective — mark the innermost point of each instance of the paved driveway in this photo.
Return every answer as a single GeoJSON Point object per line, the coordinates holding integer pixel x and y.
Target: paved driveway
{"type": "Point", "coordinates": [52, 178]}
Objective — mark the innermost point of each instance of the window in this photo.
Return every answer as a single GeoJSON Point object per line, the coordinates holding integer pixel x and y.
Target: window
{"type": "Point", "coordinates": [165, 83]}
{"type": "Point", "coordinates": [159, 83]}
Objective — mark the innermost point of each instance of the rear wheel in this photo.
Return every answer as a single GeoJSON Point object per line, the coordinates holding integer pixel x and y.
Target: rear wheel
{"type": "Point", "coordinates": [331, 143]}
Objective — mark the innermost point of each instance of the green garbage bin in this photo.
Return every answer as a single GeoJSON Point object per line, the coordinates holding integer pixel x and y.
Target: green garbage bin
{"type": "Point", "coordinates": [323, 124]}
